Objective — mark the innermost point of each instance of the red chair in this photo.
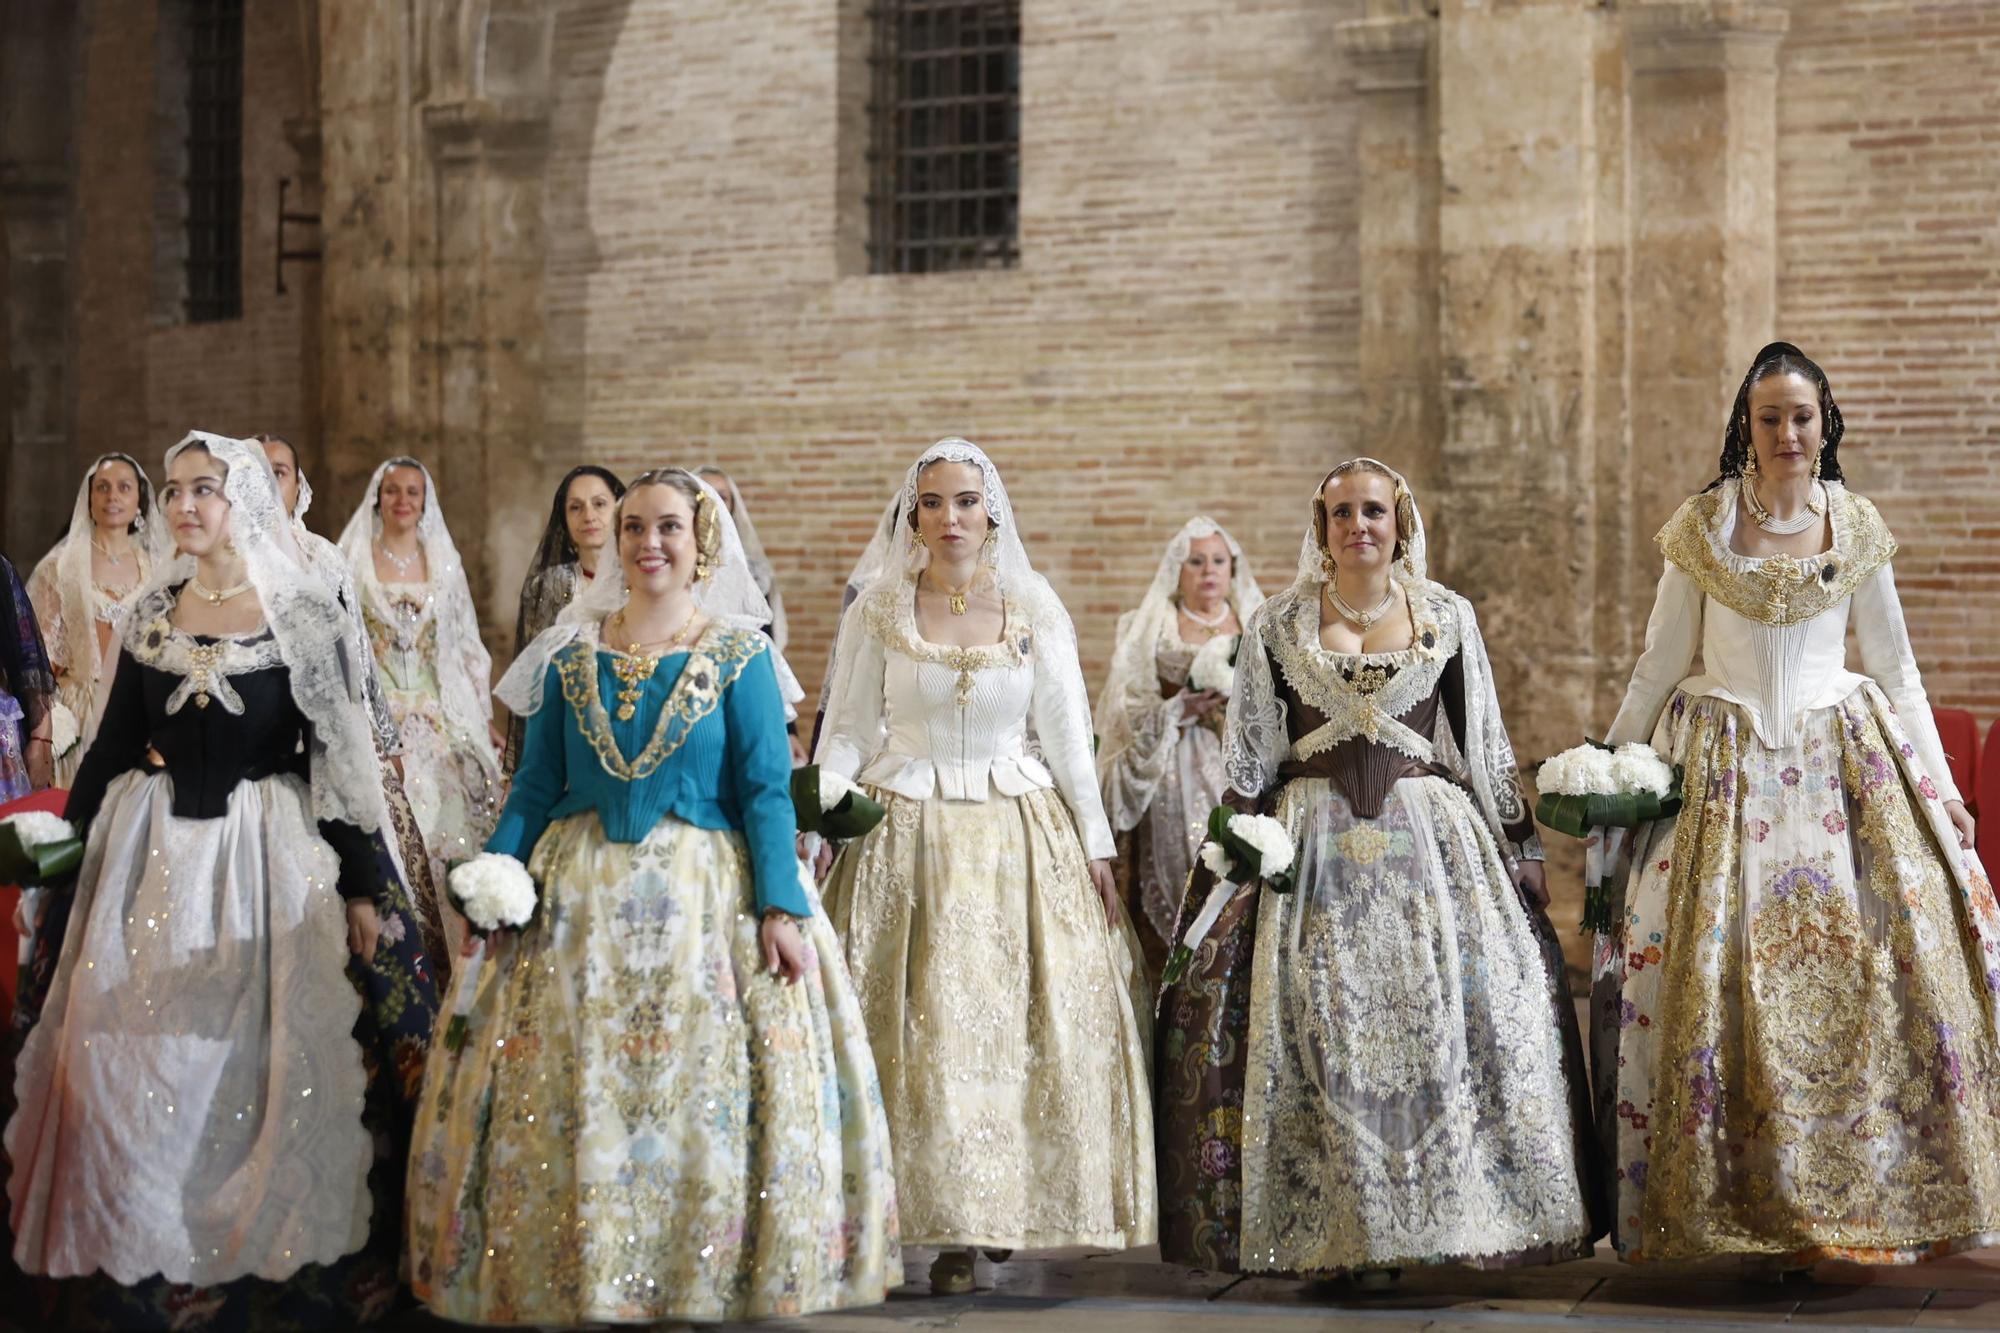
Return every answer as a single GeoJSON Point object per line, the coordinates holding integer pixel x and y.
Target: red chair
{"type": "Point", "coordinates": [1988, 834]}
{"type": "Point", "coordinates": [1959, 730]}
{"type": "Point", "coordinates": [54, 800]}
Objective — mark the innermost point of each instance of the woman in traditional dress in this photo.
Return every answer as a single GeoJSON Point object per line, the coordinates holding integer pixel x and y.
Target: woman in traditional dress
{"type": "Point", "coordinates": [328, 562]}
{"type": "Point", "coordinates": [1797, 1037]}
{"type": "Point", "coordinates": [666, 1108]}
{"type": "Point", "coordinates": [228, 1010]}
{"type": "Point", "coordinates": [81, 587]}
{"type": "Point", "coordinates": [574, 540]}
{"type": "Point", "coordinates": [418, 611]}
{"type": "Point", "coordinates": [1159, 754]}
{"type": "Point", "coordinates": [1392, 1089]}
{"type": "Point", "coordinates": [27, 693]}
{"type": "Point", "coordinates": [1005, 1002]}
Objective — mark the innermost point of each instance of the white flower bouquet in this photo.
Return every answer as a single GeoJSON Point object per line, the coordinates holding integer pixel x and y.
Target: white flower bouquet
{"type": "Point", "coordinates": [1240, 849]}
{"type": "Point", "coordinates": [1595, 785]}
{"type": "Point", "coordinates": [37, 847]}
{"type": "Point", "coordinates": [493, 892]}
{"type": "Point", "coordinates": [1214, 667]}
{"type": "Point", "coordinates": [64, 732]}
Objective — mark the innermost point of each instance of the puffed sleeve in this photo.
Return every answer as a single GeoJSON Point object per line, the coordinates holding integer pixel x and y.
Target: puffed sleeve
{"type": "Point", "coordinates": [1061, 713]}
{"type": "Point", "coordinates": [760, 764]}
{"type": "Point", "coordinates": [851, 730]}
{"type": "Point", "coordinates": [541, 779]}
{"type": "Point", "coordinates": [1672, 635]}
{"type": "Point", "coordinates": [1884, 640]}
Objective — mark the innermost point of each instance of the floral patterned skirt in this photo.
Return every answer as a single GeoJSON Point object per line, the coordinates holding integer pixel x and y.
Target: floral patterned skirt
{"type": "Point", "coordinates": [1407, 1099]}
{"type": "Point", "coordinates": [1798, 1040]}
{"type": "Point", "coordinates": [644, 1123]}
{"type": "Point", "coordinates": [1009, 1022]}
{"type": "Point", "coordinates": [452, 787]}
{"type": "Point", "coordinates": [213, 993]}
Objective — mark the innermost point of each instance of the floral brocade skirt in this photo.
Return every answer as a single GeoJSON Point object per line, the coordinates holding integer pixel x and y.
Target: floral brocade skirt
{"type": "Point", "coordinates": [1009, 1023]}
{"type": "Point", "coordinates": [452, 790]}
{"type": "Point", "coordinates": [1796, 1027]}
{"type": "Point", "coordinates": [644, 1123]}
{"type": "Point", "coordinates": [1379, 1068]}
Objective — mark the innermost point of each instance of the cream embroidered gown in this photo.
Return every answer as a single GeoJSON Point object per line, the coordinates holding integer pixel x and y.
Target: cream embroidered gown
{"type": "Point", "coordinates": [1795, 1023]}
{"type": "Point", "coordinates": [1009, 1023]}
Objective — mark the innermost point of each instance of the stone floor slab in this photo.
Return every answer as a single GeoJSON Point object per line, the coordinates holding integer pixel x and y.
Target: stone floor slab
{"type": "Point", "coordinates": [1868, 1306]}
{"type": "Point", "coordinates": [1687, 1299]}
{"type": "Point", "coordinates": [1961, 1309]}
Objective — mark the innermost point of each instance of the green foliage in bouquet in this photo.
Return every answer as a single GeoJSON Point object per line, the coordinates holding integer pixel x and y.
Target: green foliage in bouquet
{"type": "Point", "coordinates": [1245, 861]}
{"type": "Point", "coordinates": [853, 815]}
{"type": "Point", "coordinates": [1577, 815]}
{"type": "Point", "coordinates": [44, 863]}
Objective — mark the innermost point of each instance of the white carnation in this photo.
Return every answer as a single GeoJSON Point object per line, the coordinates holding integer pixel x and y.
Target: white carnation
{"type": "Point", "coordinates": [1637, 768]}
{"type": "Point", "coordinates": [833, 789]}
{"type": "Point", "coordinates": [63, 730]}
{"type": "Point", "coordinates": [38, 828]}
{"type": "Point", "coordinates": [494, 891]}
{"type": "Point", "coordinates": [1583, 770]}
{"type": "Point", "coordinates": [1268, 837]}
{"type": "Point", "coordinates": [1216, 859]}
{"type": "Point", "coordinates": [1212, 670]}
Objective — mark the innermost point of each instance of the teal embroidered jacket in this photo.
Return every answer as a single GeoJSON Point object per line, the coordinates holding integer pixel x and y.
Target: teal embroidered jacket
{"type": "Point", "coordinates": [705, 743]}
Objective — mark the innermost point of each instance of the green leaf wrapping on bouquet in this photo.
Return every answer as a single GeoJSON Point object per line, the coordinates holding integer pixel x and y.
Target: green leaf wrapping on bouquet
{"type": "Point", "coordinates": [455, 1033]}
{"type": "Point", "coordinates": [853, 815]}
{"type": "Point", "coordinates": [1177, 965]}
{"type": "Point", "coordinates": [1577, 815]}
{"type": "Point", "coordinates": [1246, 863]}
{"type": "Point", "coordinates": [44, 863]}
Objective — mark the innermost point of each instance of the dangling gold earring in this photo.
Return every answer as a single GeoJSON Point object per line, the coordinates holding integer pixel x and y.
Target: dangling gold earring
{"type": "Point", "coordinates": [1818, 454]}
{"type": "Point", "coordinates": [1326, 563]}
{"type": "Point", "coordinates": [916, 540]}
{"type": "Point", "coordinates": [1750, 460]}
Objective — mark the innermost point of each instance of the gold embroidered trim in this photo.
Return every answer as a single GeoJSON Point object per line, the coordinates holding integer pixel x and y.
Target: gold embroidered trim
{"type": "Point", "coordinates": [713, 664]}
{"type": "Point", "coordinates": [892, 617]}
{"type": "Point", "coordinates": [1781, 589]}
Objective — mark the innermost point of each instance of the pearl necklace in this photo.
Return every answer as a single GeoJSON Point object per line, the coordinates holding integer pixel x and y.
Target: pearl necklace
{"type": "Point", "coordinates": [115, 561]}
{"type": "Point", "coordinates": [1363, 620]}
{"type": "Point", "coordinates": [1784, 527]}
{"type": "Point", "coordinates": [1214, 622]}
{"type": "Point", "coordinates": [214, 597]}
{"type": "Point", "coordinates": [402, 564]}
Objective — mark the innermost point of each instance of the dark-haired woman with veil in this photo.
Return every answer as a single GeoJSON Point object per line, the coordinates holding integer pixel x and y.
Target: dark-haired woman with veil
{"type": "Point", "coordinates": [565, 562]}
{"type": "Point", "coordinates": [1798, 1043]}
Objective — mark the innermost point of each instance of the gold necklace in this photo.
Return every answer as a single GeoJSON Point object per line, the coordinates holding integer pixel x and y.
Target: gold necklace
{"type": "Point", "coordinates": [1362, 619]}
{"type": "Point", "coordinates": [957, 596]}
{"type": "Point", "coordinates": [634, 667]}
{"type": "Point", "coordinates": [115, 561]}
{"type": "Point", "coordinates": [214, 597]}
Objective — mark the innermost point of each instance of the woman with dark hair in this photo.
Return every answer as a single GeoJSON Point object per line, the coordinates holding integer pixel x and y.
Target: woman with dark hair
{"type": "Point", "coordinates": [27, 692]}
{"type": "Point", "coordinates": [565, 562]}
{"type": "Point", "coordinates": [1798, 1041]}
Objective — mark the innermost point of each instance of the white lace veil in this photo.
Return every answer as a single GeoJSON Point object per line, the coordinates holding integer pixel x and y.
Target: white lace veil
{"type": "Point", "coordinates": [1132, 685]}
{"type": "Point", "coordinates": [63, 575]}
{"type": "Point", "coordinates": [753, 548]}
{"type": "Point", "coordinates": [728, 595]}
{"type": "Point", "coordinates": [308, 623]}
{"type": "Point", "coordinates": [1411, 563]}
{"type": "Point", "coordinates": [464, 668]}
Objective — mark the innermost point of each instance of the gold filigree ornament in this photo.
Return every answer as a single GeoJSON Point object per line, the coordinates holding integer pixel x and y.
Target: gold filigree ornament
{"type": "Point", "coordinates": [1781, 589]}
{"type": "Point", "coordinates": [203, 658]}
{"type": "Point", "coordinates": [714, 662]}
{"type": "Point", "coordinates": [633, 671]}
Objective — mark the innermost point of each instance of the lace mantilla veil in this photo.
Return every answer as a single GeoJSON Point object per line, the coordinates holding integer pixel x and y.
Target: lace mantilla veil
{"type": "Point", "coordinates": [310, 627]}
{"type": "Point", "coordinates": [729, 596]}
{"type": "Point", "coordinates": [72, 638]}
{"type": "Point", "coordinates": [892, 561]}
{"type": "Point", "coordinates": [1255, 740]}
{"type": "Point", "coordinates": [464, 668]}
{"type": "Point", "coordinates": [753, 550]}
{"type": "Point", "coordinates": [1133, 681]}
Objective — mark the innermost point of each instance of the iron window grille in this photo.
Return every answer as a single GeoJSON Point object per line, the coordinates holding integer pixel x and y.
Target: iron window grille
{"type": "Point", "coordinates": [214, 160]}
{"type": "Point", "coordinates": [945, 137]}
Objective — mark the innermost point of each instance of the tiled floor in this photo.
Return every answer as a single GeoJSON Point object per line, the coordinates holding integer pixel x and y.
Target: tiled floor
{"type": "Point", "coordinates": [1135, 1293]}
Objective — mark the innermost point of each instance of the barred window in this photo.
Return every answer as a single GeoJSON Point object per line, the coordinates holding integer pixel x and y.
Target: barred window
{"type": "Point", "coordinates": [214, 50]}
{"type": "Point", "coordinates": [945, 116]}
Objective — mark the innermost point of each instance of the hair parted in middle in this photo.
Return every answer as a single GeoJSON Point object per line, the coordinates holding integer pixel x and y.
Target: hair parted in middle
{"type": "Point", "coordinates": [1780, 358]}
{"type": "Point", "coordinates": [1406, 505]}
{"type": "Point", "coordinates": [707, 514]}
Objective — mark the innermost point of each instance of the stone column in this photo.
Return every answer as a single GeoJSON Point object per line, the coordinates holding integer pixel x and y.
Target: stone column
{"type": "Point", "coordinates": [1392, 53]}
{"type": "Point", "coordinates": [1518, 349]}
{"type": "Point", "coordinates": [1704, 233]}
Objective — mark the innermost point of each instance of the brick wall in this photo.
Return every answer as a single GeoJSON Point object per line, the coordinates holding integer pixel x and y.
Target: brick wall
{"type": "Point", "coordinates": [1180, 336]}
{"type": "Point", "coordinates": [1889, 186]}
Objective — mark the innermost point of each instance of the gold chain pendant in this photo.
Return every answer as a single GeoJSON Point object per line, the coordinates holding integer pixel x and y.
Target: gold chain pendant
{"type": "Point", "coordinates": [205, 657]}
{"type": "Point", "coordinates": [958, 603]}
{"type": "Point", "coordinates": [632, 673]}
